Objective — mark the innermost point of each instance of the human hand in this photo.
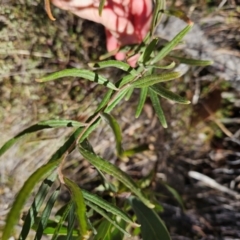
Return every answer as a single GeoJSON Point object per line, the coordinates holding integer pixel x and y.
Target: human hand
{"type": "Point", "coordinates": [125, 21]}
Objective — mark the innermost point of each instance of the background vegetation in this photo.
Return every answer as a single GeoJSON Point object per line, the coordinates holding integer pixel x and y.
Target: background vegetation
{"type": "Point", "coordinates": [196, 140]}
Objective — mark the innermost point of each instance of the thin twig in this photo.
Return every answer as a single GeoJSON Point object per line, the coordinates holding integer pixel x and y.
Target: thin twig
{"type": "Point", "coordinates": [48, 9]}
{"type": "Point", "coordinates": [219, 124]}
{"type": "Point", "coordinates": [212, 183]}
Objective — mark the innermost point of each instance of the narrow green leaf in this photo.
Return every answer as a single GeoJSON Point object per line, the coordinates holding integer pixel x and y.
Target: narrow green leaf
{"type": "Point", "coordinates": [51, 228]}
{"type": "Point", "coordinates": [61, 211]}
{"type": "Point", "coordinates": [101, 6]}
{"type": "Point", "coordinates": [152, 227]}
{"type": "Point", "coordinates": [37, 127]}
{"type": "Point", "coordinates": [107, 184]}
{"type": "Point", "coordinates": [62, 232]}
{"type": "Point", "coordinates": [175, 194]}
{"type": "Point", "coordinates": [92, 229]}
{"type": "Point", "coordinates": [163, 92]}
{"type": "Point", "coordinates": [36, 205]}
{"type": "Point", "coordinates": [105, 100]}
{"type": "Point", "coordinates": [81, 73]}
{"type": "Point", "coordinates": [178, 14]}
{"type": "Point", "coordinates": [159, 5]}
{"type": "Point", "coordinates": [87, 145]}
{"type": "Point", "coordinates": [23, 194]}
{"type": "Point", "coordinates": [148, 51]}
{"type": "Point", "coordinates": [106, 206]}
{"type": "Point", "coordinates": [158, 109]}
{"type": "Point", "coordinates": [46, 214]}
{"type": "Point", "coordinates": [114, 63]}
{"type": "Point", "coordinates": [38, 219]}
{"type": "Point", "coordinates": [104, 214]}
{"type": "Point", "coordinates": [77, 198]}
{"type": "Point", "coordinates": [71, 221]}
{"type": "Point", "coordinates": [115, 233]}
{"type": "Point", "coordinates": [112, 170]}
{"type": "Point", "coordinates": [142, 99]}
{"type": "Point", "coordinates": [133, 151]}
{"type": "Point", "coordinates": [146, 40]}
{"type": "Point", "coordinates": [155, 78]}
{"type": "Point", "coordinates": [90, 129]}
{"type": "Point", "coordinates": [125, 80]}
{"type": "Point", "coordinates": [66, 146]}
{"type": "Point", "coordinates": [120, 95]}
{"type": "Point", "coordinates": [193, 62]}
{"type": "Point", "coordinates": [109, 54]}
{"type": "Point", "coordinates": [133, 49]}
{"type": "Point", "coordinates": [169, 66]}
{"type": "Point", "coordinates": [103, 230]}
{"type": "Point", "coordinates": [116, 131]}
{"type": "Point", "coordinates": [56, 123]}
{"type": "Point", "coordinates": [61, 221]}
{"type": "Point", "coordinates": [172, 44]}
{"type": "Point", "coordinates": [129, 94]}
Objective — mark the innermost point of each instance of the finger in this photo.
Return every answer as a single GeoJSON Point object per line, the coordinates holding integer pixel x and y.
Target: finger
{"type": "Point", "coordinates": [68, 5]}
{"type": "Point", "coordinates": [141, 11]}
{"type": "Point", "coordinates": [115, 18]}
{"type": "Point", "coordinates": [140, 15]}
{"type": "Point", "coordinates": [123, 2]}
{"type": "Point", "coordinates": [120, 56]}
{"type": "Point", "coordinates": [132, 61]}
{"type": "Point", "coordinates": [112, 42]}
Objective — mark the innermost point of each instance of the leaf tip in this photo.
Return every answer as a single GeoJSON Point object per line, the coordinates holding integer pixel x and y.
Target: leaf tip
{"type": "Point", "coordinates": [136, 224]}
{"type": "Point", "coordinates": [150, 205]}
{"type": "Point", "coordinates": [164, 125]}
{"type": "Point", "coordinates": [48, 10]}
{"type": "Point", "coordinates": [38, 80]}
{"type": "Point", "coordinates": [190, 23]}
{"type": "Point", "coordinates": [91, 65]}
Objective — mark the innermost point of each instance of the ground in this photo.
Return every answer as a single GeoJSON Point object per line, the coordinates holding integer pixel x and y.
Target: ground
{"type": "Point", "coordinates": [196, 141]}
